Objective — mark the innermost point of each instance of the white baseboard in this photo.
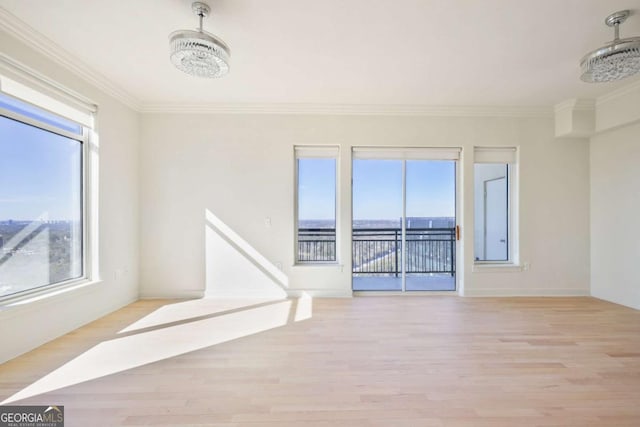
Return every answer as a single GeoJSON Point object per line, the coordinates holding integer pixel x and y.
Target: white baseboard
{"type": "Point", "coordinates": [172, 294]}
{"type": "Point", "coordinates": [195, 294]}
{"type": "Point", "coordinates": [339, 293]}
{"type": "Point", "coordinates": [520, 292]}
{"type": "Point", "coordinates": [319, 293]}
{"type": "Point", "coordinates": [616, 300]}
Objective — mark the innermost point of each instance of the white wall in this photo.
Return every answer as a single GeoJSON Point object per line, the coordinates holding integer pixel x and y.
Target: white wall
{"type": "Point", "coordinates": [615, 208]}
{"type": "Point", "coordinates": [240, 168]}
{"type": "Point", "coordinates": [26, 326]}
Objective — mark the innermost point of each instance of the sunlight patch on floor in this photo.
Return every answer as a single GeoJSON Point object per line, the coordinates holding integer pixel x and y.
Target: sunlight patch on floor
{"type": "Point", "coordinates": [226, 321]}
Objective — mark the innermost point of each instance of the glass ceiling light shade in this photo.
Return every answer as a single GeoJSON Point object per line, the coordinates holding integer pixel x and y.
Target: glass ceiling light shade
{"type": "Point", "coordinates": [197, 52]}
{"type": "Point", "coordinates": [614, 61]}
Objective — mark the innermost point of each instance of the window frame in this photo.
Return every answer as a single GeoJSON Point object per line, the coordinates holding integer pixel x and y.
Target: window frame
{"type": "Point", "coordinates": [85, 139]}
{"type": "Point", "coordinates": [317, 152]}
{"type": "Point", "coordinates": [509, 157]}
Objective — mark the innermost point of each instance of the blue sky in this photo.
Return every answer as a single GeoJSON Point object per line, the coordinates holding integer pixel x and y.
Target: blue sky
{"type": "Point", "coordinates": [316, 184]}
{"type": "Point", "coordinates": [39, 173]}
{"type": "Point", "coordinates": [377, 189]}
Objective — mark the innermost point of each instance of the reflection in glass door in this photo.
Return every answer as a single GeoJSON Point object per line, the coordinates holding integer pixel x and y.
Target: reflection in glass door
{"type": "Point", "coordinates": [403, 225]}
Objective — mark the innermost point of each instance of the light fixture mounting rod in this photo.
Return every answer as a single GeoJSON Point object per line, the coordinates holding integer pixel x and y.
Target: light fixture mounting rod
{"type": "Point", "coordinates": [202, 10]}
{"type": "Point", "coordinates": [615, 19]}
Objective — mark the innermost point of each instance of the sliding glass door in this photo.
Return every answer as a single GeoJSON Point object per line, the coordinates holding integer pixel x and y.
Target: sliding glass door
{"type": "Point", "coordinates": [403, 224]}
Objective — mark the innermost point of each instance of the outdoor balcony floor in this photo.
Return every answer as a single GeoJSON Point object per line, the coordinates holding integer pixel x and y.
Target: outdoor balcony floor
{"type": "Point", "coordinates": [421, 282]}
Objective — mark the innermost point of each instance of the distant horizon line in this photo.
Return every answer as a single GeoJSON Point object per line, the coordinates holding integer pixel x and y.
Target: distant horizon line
{"type": "Point", "coordinates": [384, 219]}
{"type": "Point", "coordinates": [38, 220]}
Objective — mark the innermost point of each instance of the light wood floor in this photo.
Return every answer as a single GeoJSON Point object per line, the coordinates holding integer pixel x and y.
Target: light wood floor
{"type": "Point", "coordinates": [368, 361]}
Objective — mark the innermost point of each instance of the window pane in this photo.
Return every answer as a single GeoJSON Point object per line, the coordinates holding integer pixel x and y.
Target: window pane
{"type": "Point", "coordinates": [431, 193]}
{"type": "Point", "coordinates": [40, 207]}
{"type": "Point", "coordinates": [316, 209]}
{"type": "Point", "coordinates": [376, 248]}
{"type": "Point", "coordinates": [32, 112]}
{"type": "Point", "coordinates": [377, 194]}
{"type": "Point", "coordinates": [491, 209]}
{"type": "Point", "coordinates": [430, 222]}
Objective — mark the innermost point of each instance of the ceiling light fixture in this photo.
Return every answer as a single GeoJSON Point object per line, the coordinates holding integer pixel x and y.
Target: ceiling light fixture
{"type": "Point", "coordinates": [617, 59]}
{"type": "Point", "coordinates": [199, 53]}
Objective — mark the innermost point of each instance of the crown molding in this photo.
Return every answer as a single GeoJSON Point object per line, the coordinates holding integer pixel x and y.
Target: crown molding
{"type": "Point", "coordinates": [618, 93]}
{"type": "Point", "coordinates": [576, 105]}
{"type": "Point", "coordinates": [17, 28]}
{"type": "Point", "coordinates": [351, 109]}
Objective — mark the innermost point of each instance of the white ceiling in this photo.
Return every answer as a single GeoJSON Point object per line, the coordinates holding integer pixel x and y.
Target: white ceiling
{"type": "Point", "coordinates": [365, 52]}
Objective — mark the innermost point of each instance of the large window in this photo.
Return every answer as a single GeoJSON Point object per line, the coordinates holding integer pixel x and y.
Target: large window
{"type": "Point", "coordinates": [493, 213]}
{"type": "Point", "coordinates": [41, 198]}
{"type": "Point", "coordinates": [316, 204]}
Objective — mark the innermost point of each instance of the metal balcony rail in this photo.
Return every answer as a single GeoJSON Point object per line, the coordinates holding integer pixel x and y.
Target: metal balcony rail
{"type": "Point", "coordinates": [428, 250]}
{"type": "Point", "coordinates": [316, 244]}
{"type": "Point", "coordinates": [379, 251]}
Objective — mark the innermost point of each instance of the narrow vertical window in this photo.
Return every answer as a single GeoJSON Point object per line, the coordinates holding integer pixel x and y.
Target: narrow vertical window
{"type": "Point", "coordinates": [316, 204]}
{"type": "Point", "coordinates": [493, 213]}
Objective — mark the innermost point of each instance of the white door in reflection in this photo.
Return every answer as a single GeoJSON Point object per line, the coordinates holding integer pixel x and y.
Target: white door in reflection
{"type": "Point", "coordinates": [495, 219]}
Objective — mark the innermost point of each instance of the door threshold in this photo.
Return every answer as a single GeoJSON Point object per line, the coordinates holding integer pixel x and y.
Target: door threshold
{"type": "Point", "coordinates": [400, 293]}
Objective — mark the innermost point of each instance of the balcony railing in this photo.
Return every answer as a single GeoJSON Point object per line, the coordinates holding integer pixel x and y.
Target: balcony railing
{"type": "Point", "coordinates": [428, 250]}
{"type": "Point", "coordinates": [379, 251]}
{"type": "Point", "coordinates": [316, 244]}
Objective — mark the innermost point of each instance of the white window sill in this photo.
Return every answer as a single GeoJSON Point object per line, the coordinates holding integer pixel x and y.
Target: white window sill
{"type": "Point", "coordinates": [45, 295]}
{"type": "Point", "coordinates": [496, 268]}
{"type": "Point", "coordinates": [318, 264]}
